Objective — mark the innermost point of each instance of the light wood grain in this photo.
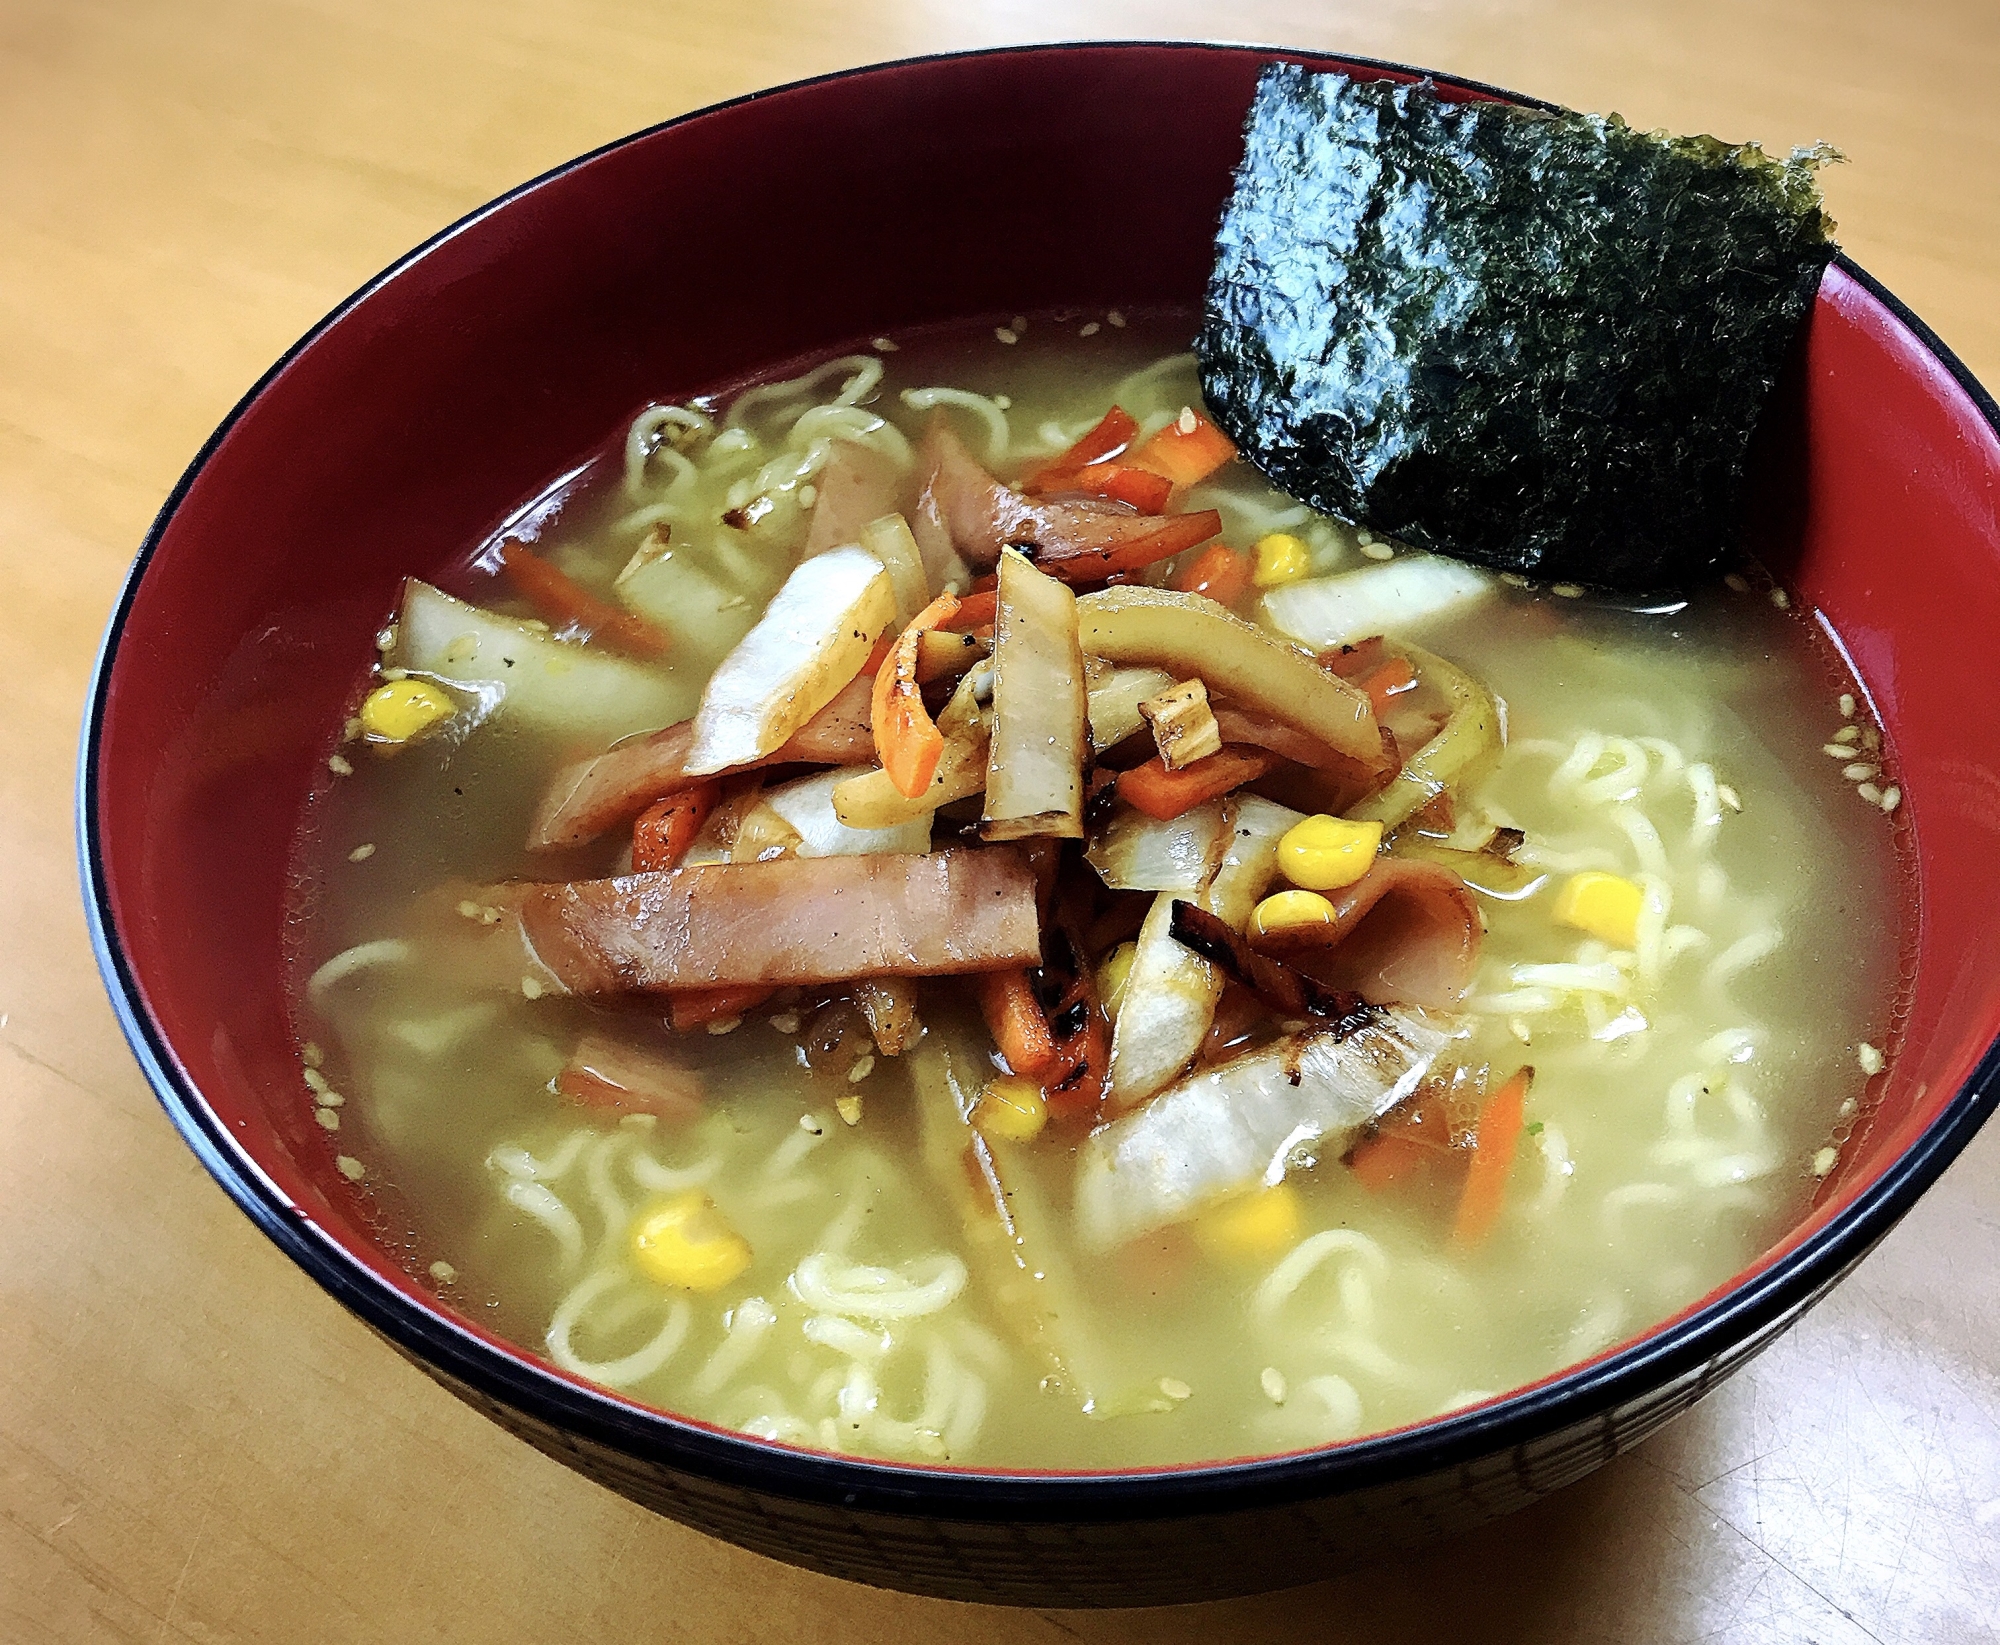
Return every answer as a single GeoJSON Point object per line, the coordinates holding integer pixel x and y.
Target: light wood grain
{"type": "Point", "coordinates": [194, 1443]}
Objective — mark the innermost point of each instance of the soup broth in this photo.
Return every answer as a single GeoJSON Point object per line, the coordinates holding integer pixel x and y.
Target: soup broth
{"type": "Point", "coordinates": [1690, 1084]}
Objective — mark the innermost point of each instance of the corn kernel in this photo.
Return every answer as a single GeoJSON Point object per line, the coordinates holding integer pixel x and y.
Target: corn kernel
{"type": "Point", "coordinates": [1011, 1109]}
{"type": "Point", "coordinates": [1289, 911]}
{"type": "Point", "coordinates": [686, 1243]}
{"type": "Point", "coordinates": [1605, 905]}
{"type": "Point", "coordinates": [1261, 1223]}
{"type": "Point", "coordinates": [403, 709]}
{"type": "Point", "coordinates": [1325, 853]}
{"type": "Point", "coordinates": [1280, 558]}
{"type": "Point", "coordinates": [1112, 975]}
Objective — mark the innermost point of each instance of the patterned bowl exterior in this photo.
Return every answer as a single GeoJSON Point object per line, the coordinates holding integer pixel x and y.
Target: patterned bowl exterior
{"type": "Point", "coordinates": [267, 569]}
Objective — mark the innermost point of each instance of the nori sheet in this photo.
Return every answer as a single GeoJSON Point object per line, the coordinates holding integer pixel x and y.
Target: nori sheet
{"type": "Point", "coordinates": [1540, 341]}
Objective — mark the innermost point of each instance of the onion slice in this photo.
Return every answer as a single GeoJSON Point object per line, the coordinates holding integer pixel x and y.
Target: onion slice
{"type": "Point", "coordinates": [1040, 723]}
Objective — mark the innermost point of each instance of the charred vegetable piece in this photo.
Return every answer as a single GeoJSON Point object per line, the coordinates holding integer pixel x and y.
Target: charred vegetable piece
{"type": "Point", "coordinates": [665, 829]}
{"type": "Point", "coordinates": [795, 920]}
{"type": "Point", "coordinates": [1228, 1128]}
{"type": "Point", "coordinates": [1405, 931]}
{"type": "Point", "coordinates": [1535, 339]}
{"type": "Point", "coordinates": [1289, 992]}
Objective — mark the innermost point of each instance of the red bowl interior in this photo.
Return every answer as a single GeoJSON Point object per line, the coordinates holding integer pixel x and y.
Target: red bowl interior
{"type": "Point", "coordinates": [413, 420]}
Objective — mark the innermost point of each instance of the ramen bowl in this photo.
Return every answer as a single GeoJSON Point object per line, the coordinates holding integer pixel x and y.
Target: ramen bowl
{"type": "Point", "coordinates": [416, 415]}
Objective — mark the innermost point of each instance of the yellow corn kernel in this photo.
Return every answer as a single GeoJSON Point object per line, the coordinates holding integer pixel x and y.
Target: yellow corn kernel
{"type": "Point", "coordinates": [1112, 975]}
{"type": "Point", "coordinates": [1011, 1109]}
{"type": "Point", "coordinates": [1605, 905]}
{"type": "Point", "coordinates": [402, 709]}
{"type": "Point", "coordinates": [1325, 853]}
{"type": "Point", "coordinates": [1261, 1223]}
{"type": "Point", "coordinates": [1288, 911]}
{"type": "Point", "coordinates": [685, 1242]}
{"type": "Point", "coordinates": [1280, 558]}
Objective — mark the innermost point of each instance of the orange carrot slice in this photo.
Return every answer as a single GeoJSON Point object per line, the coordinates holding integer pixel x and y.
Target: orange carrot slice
{"type": "Point", "coordinates": [665, 829]}
{"type": "Point", "coordinates": [1014, 1018]}
{"type": "Point", "coordinates": [563, 601]}
{"type": "Point", "coordinates": [1188, 449]}
{"type": "Point", "coordinates": [1164, 794]}
{"type": "Point", "coordinates": [1494, 1143]}
{"type": "Point", "coordinates": [907, 740]}
{"type": "Point", "coordinates": [1218, 571]}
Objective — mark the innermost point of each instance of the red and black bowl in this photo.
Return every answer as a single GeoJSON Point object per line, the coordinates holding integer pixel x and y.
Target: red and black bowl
{"type": "Point", "coordinates": [411, 420]}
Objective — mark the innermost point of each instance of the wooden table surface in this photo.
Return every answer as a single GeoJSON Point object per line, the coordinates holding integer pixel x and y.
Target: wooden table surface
{"type": "Point", "coordinates": [195, 1443]}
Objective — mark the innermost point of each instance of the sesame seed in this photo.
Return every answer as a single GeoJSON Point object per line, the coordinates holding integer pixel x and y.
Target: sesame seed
{"type": "Point", "coordinates": [725, 1025]}
{"type": "Point", "coordinates": [328, 1118]}
{"type": "Point", "coordinates": [1838, 751]}
{"type": "Point", "coordinates": [812, 1125]}
{"type": "Point", "coordinates": [1737, 581]}
{"type": "Point", "coordinates": [395, 673]}
{"type": "Point", "coordinates": [1116, 317]}
{"type": "Point", "coordinates": [1781, 599]}
{"type": "Point", "coordinates": [1378, 551]}
{"type": "Point", "coordinates": [316, 1081]}
{"type": "Point", "coordinates": [1513, 579]}
{"type": "Point", "coordinates": [808, 495]}
{"type": "Point", "coordinates": [1870, 793]}
{"type": "Point", "coordinates": [352, 730]}
{"type": "Point", "coordinates": [1174, 1388]}
{"type": "Point", "coordinates": [1847, 705]}
{"type": "Point", "coordinates": [339, 767]}
{"type": "Point", "coordinates": [1005, 335]}
{"type": "Point", "coordinates": [444, 1273]}
{"type": "Point", "coordinates": [638, 1122]}
{"type": "Point", "coordinates": [1090, 328]}
{"type": "Point", "coordinates": [330, 1098]}
{"type": "Point", "coordinates": [786, 1022]}
{"type": "Point", "coordinates": [1871, 739]}
{"type": "Point", "coordinates": [1566, 591]}
{"type": "Point", "coordinates": [1823, 1161]}
{"type": "Point", "coordinates": [489, 916]}
{"type": "Point", "coordinates": [1892, 796]}
{"type": "Point", "coordinates": [311, 1055]}
{"type": "Point", "coordinates": [884, 345]}
{"type": "Point", "coordinates": [1004, 401]}
{"type": "Point", "coordinates": [1848, 734]}
{"type": "Point", "coordinates": [361, 853]}
{"type": "Point", "coordinates": [1858, 773]}
{"type": "Point", "coordinates": [349, 1167]}
{"type": "Point", "coordinates": [1849, 1108]}
{"type": "Point", "coordinates": [1871, 1060]}
{"type": "Point", "coordinates": [469, 909]}
{"type": "Point", "coordinates": [1187, 422]}
{"type": "Point", "coordinates": [863, 1067]}
{"type": "Point", "coordinates": [385, 639]}
{"type": "Point", "coordinates": [1519, 1029]}
{"type": "Point", "coordinates": [531, 988]}
{"type": "Point", "coordinates": [1272, 1381]}
{"type": "Point", "coordinates": [848, 1106]}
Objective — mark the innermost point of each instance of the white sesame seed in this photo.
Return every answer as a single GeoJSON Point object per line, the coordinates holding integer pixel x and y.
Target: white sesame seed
{"type": "Point", "coordinates": [1187, 422]}
{"type": "Point", "coordinates": [330, 1098]}
{"type": "Point", "coordinates": [1728, 796]}
{"type": "Point", "coordinates": [1823, 1161]}
{"type": "Point", "coordinates": [812, 1125]}
{"type": "Point", "coordinates": [385, 639]}
{"type": "Point", "coordinates": [444, 1273]}
{"type": "Point", "coordinates": [1090, 328]}
{"type": "Point", "coordinates": [1005, 335]}
{"type": "Point", "coordinates": [339, 767]}
{"type": "Point", "coordinates": [1892, 796]}
{"type": "Point", "coordinates": [1860, 773]}
{"type": "Point", "coordinates": [1738, 582]}
{"type": "Point", "coordinates": [1513, 579]}
{"type": "Point", "coordinates": [1781, 599]}
{"type": "Point", "coordinates": [469, 909]}
{"type": "Point", "coordinates": [863, 1067]}
{"type": "Point", "coordinates": [786, 1022]}
{"type": "Point", "coordinates": [489, 916]}
{"type": "Point", "coordinates": [311, 1055]}
{"type": "Point", "coordinates": [328, 1118]}
{"type": "Point", "coordinates": [1837, 751]}
{"type": "Point", "coordinates": [352, 729]}
{"type": "Point", "coordinates": [725, 1025]}
{"type": "Point", "coordinates": [1519, 1029]}
{"type": "Point", "coordinates": [1378, 551]}
{"type": "Point", "coordinates": [531, 988]}
{"type": "Point", "coordinates": [395, 673]}
{"type": "Point", "coordinates": [1174, 1388]}
{"type": "Point", "coordinates": [1847, 705]}
{"type": "Point", "coordinates": [1848, 734]}
{"type": "Point", "coordinates": [638, 1122]}
{"type": "Point", "coordinates": [1869, 792]}
{"type": "Point", "coordinates": [1871, 739]}
{"type": "Point", "coordinates": [1116, 317]}
{"type": "Point", "coordinates": [1004, 401]}
{"type": "Point", "coordinates": [349, 1167]}
{"type": "Point", "coordinates": [884, 345]}
{"type": "Point", "coordinates": [315, 1080]}
{"type": "Point", "coordinates": [848, 1106]}
{"type": "Point", "coordinates": [1849, 1108]}
{"type": "Point", "coordinates": [808, 495]}
{"type": "Point", "coordinates": [1870, 1058]}
{"type": "Point", "coordinates": [361, 853]}
{"type": "Point", "coordinates": [1566, 591]}
{"type": "Point", "coordinates": [1272, 1381]}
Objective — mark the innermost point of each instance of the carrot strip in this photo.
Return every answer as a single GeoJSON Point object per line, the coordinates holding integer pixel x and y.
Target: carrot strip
{"type": "Point", "coordinates": [1391, 680]}
{"type": "Point", "coordinates": [1492, 1158]}
{"type": "Point", "coordinates": [1113, 433]}
{"type": "Point", "coordinates": [1382, 1161]}
{"type": "Point", "coordinates": [1014, 1017]}
{"type": "Point", "coordinates": [1141, 487]}
{"type": "Point", "coordinates": [1219, 572]}
{"type": "Point", "coordinates": [975, 610]}
{"type": "Point", "coordinates": [665, 829]}
{"type": "Point", "coordinates": [1188, 449]}
{"type": "Point", "coordinates": [1074, 1086]}
{"type": "Point", "coordinates": [907, 740]}
{"type": "Point", "coordinates": [689, 1008]}
{"type": "Point", "coordinates": [562, 600]}
{"type": "Point", "coordinates": [1164, 794]}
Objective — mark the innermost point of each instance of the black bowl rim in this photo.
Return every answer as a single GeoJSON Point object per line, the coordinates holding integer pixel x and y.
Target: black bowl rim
{"type": "Point", "coordinates": [1584, 1393]}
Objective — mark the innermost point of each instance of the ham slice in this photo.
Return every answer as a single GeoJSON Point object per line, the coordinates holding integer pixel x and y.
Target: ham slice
{"type": "Point", "coordinates": [1082, 540]}
{"type": "Point", "coordinates": [856, 484]}
{"type": "Point", "coordinates": [589, 797]}
{"type": "Point", "coordinates": [1405, 932]}
{"type": "Point", "coordinates": [794, 920]}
